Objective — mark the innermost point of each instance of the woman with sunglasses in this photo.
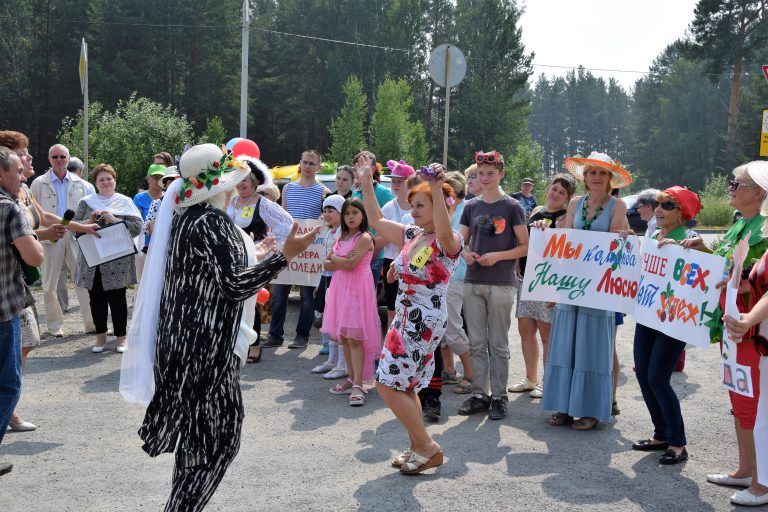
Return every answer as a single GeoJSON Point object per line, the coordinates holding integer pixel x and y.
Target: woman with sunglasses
{"type": "Point", "coordinates": [657, 354]}
{"type": "Point", "coordinates": [747, 193]}
{"type": "Point", "coordinates": [579, 370]}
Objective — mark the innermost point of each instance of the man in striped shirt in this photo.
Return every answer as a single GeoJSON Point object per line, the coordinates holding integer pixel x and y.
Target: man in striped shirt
{"type": "Point", "coordinates": [303, 199]}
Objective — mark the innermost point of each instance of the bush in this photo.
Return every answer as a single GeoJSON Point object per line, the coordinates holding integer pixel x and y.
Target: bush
{"type": "Point", "coordinates": [714, 197]}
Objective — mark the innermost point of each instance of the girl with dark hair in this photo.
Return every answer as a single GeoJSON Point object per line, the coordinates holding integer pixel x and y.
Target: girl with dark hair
{"type": "Point", "coordinates": [351, 315]}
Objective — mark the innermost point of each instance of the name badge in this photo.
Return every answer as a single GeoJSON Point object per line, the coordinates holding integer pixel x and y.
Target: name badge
{"type": "Point", "coordinates": [247, 212]}
{"type": "Point", "coordinates": [420, 258]}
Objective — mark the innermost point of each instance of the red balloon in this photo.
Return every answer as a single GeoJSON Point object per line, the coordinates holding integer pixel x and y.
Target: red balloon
{"type": "Point", "coordinates": [246, 147]}
{"type": "Point", "coordinates": [262, 296]}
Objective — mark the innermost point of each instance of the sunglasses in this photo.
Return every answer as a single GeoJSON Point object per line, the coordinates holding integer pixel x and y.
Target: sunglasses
{"type": "Point", "coordinates": [488, 158]}
{"type": "Point", "coordinates": [58, 157]}
{"type": "Point", "coordinates": [735, 184]}
{"type": "Point", "coordinates": [669, 206]}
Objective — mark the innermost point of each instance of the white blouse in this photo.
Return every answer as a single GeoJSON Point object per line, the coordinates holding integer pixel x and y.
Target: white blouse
{"type": "Point", "coordinates": [277, 220]}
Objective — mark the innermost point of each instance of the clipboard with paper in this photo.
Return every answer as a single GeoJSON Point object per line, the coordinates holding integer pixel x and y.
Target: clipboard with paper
{"type": "Point", "coordinates": [115, 242]}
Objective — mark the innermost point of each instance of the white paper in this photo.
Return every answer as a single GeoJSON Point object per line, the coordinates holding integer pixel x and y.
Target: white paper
{"type": "Point", "coordinates": [114, 240]}
{"type": "Point", "coordinates": [736, 377]}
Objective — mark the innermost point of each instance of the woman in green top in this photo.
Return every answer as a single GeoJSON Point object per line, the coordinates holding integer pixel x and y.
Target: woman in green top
{"type": "Point", "coordinates": [656, 354]}
{"type": "Point", "coordinates": [747, 193]}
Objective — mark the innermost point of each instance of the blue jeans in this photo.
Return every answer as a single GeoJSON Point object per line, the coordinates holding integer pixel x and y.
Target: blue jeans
{"type": "Point", "coordinates": [280, 306]}
{"type": "Point", "coordinates": [376, 266]}
{"type": "Point", "coordinates": [10, 370]}
{"type": "Point", "coordinates": [656, 355]}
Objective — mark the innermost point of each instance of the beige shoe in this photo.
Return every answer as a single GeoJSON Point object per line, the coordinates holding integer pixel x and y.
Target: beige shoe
{"type": "Point", "coordinates": [538, 391]}
{"type": "Point", "coordinates": [523, 385]}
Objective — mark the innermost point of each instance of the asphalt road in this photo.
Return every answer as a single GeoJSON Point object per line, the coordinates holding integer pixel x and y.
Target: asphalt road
{"type": "Point", "coordinates": [304, 449]}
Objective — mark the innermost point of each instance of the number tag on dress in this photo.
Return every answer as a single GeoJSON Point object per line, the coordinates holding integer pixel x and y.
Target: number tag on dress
{"type": "Point", "coordinates": [247, 212]}
{"type": "Point", "coordinates": [420, 258]}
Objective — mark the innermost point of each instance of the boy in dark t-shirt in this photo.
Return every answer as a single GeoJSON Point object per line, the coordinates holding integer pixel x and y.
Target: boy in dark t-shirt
{"type": "Point", "coordinates": [495, 236]}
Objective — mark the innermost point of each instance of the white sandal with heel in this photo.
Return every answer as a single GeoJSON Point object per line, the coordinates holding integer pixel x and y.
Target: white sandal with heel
{"type": "Point", "coordinates": [357, 400]}
{"type": "Point", "coordinates": [339, 389]}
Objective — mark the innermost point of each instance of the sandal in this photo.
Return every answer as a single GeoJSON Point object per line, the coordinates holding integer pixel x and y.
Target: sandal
{"type": "Point", "coordinates": [402, 458]}
{"type": "Point", "coordinates": [253, 359]}
{"type": "Point", "coordinates": [584, 423]}
{"type": "Point", "coordinates": [450, 378]}
{"type": "Point", "coordinates": [464, 386]}
{"type": "Point", "coordinates": [341, 389]}
{"type": "Point", "coordinates": [417, 463]}
{"type": "Point", "coordinates": [560, 418]}
{"type": "Point", "coordinates": [357, 400]}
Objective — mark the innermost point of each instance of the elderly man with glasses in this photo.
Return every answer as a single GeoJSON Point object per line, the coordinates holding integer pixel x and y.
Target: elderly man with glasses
{"type": "Point", "coordinates": [57, 191]}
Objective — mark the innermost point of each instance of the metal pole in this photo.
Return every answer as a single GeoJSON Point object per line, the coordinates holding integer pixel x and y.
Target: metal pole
{"type": "Point", "coordinates": [85, 116]}
{"type": "Point", "coordinates": [447, 105]}
{"type": "Point", "coordinates": [244, 75]}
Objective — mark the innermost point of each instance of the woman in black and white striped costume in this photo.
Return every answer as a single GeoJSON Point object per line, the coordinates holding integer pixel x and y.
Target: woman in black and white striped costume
{"type": "Point", "coordinates": [197, 408]}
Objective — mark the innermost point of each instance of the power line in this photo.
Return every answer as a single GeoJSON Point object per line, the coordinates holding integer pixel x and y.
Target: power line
{"type": "Point", "coordinates": [349, 43]}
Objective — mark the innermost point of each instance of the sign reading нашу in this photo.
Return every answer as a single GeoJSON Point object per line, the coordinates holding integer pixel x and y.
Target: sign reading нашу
{"type": "Point", "coordinates": [669, 289]}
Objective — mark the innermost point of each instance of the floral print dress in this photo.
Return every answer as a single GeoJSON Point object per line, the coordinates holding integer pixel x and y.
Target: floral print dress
{"type": "Point", "coordinates": [407, 359]}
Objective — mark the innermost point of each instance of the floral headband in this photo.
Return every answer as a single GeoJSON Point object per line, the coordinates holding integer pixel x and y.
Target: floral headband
{"type": "Point", "coordinates": [210, 176]}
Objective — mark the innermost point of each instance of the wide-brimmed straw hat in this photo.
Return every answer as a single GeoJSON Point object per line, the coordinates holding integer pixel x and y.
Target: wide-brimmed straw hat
{"type": "Point", "coordinates": [620, 178]}
{"type": "Point", "coordinates": [207, 171]}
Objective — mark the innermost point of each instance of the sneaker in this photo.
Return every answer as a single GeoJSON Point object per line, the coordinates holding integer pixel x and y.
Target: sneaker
{"type": "Point", "coordinates": [324, 351]}
{"type": "Point", "coordinates": [336, 373]}
{"type": "Point", "coordinates": [272, 343]}
{"type": "Point", "coordinates": [298, 342]}
{"type": "Point", "coordinates": [523, 385]}
{"type": "Point", "coordinates": [477, 403]}
{"type": "Point", "coordinates": [322, 368]}
{"type": "Point", "coordinates": [538, 391]}
{"type": "Point", "coordinates": [498, 409]}
{"type": "Point", "coordinates": [430, 407]}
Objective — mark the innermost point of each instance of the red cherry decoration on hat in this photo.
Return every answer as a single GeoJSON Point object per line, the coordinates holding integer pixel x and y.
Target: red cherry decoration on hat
{"type": "Point", "coordinates": [245, 147]}
{"type": "Point", "coordinates": [188, 192]}
{"type": "Point", "coordinates": [215, 164]}
{"type": "Point", "coordinates": [215, 181]}
{"type": "Point", "coordinates": [198, 185]}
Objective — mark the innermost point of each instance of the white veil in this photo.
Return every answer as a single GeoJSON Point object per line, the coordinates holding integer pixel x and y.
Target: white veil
{"type": "Point", "coordinates": [137, 381]}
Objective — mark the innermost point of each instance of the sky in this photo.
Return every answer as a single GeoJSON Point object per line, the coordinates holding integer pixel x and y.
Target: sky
{"type": "Point", "coordinates": [618, 34]}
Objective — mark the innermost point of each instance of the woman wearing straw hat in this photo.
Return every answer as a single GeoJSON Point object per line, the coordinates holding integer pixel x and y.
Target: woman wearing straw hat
{"type": "Point", "coordinates": [579, 386]}
{"type": "Point", "coordinates": [196, 408]}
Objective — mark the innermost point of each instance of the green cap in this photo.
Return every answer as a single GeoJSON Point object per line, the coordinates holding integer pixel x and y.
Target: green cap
{"type": "Point", "coordinates": [156, 170]}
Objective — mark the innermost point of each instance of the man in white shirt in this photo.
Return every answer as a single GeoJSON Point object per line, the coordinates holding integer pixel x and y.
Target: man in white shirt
{"type": "Point", "coordinates": [57, 191]}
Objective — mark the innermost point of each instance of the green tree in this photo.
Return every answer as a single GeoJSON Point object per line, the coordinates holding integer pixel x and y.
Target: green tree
{"type": "Point", "coordinates": [726, 33]}
{"type": "Point", "coordinates": [214, 132]}
{"type": "Point", "coordinates": [348, 130]}
{"type": "Point", "coordinates": [394, 134]}
{"type": "Point", "coordinates": [127, 137]}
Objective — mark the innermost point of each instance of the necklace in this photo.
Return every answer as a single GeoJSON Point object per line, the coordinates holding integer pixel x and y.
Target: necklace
{"type": "Point", "coordinates": [237, 200]}
{"type": "Point", "coordinates": [585, 207]}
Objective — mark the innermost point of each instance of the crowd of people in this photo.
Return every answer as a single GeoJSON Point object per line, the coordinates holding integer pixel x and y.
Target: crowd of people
{"type": "Point", "coordinates": [445, 251]}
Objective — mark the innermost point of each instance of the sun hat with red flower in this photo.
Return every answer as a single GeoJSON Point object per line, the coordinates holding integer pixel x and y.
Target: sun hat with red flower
{"type": "Point", "coordinates": [208, 170]}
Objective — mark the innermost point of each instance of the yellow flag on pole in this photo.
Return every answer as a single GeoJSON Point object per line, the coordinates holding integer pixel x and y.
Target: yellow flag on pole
{"type": "Point", "coordinates": [83, 68]}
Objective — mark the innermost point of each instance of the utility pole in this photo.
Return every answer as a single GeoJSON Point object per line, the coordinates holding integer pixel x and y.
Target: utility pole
{"type": "Point", "coordinates": [244, 75]}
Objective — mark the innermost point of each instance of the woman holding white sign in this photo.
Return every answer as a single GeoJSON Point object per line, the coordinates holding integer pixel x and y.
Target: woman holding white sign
{"type": "Point", "coordinates": [747, 193]}
{"type": "Point", "coordinates": [579, 370]}
{"type": "Point", "coordinates": [657, 354]}
{"type": "Point", "coordinates": [751, 413]}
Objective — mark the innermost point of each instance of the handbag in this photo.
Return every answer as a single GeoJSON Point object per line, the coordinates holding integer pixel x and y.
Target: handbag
{"type": "Point", "coordinates": [31, 274]}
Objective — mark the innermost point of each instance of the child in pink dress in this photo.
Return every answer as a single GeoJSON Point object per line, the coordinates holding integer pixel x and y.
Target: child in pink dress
{"type": "Point", "coordinates": [351, 314]}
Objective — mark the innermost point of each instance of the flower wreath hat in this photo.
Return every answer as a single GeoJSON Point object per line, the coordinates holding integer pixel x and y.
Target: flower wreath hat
{"type": "Point", "coordinates": [620, 178]}
{"type": "Point", "coordinates": [207, 170]}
